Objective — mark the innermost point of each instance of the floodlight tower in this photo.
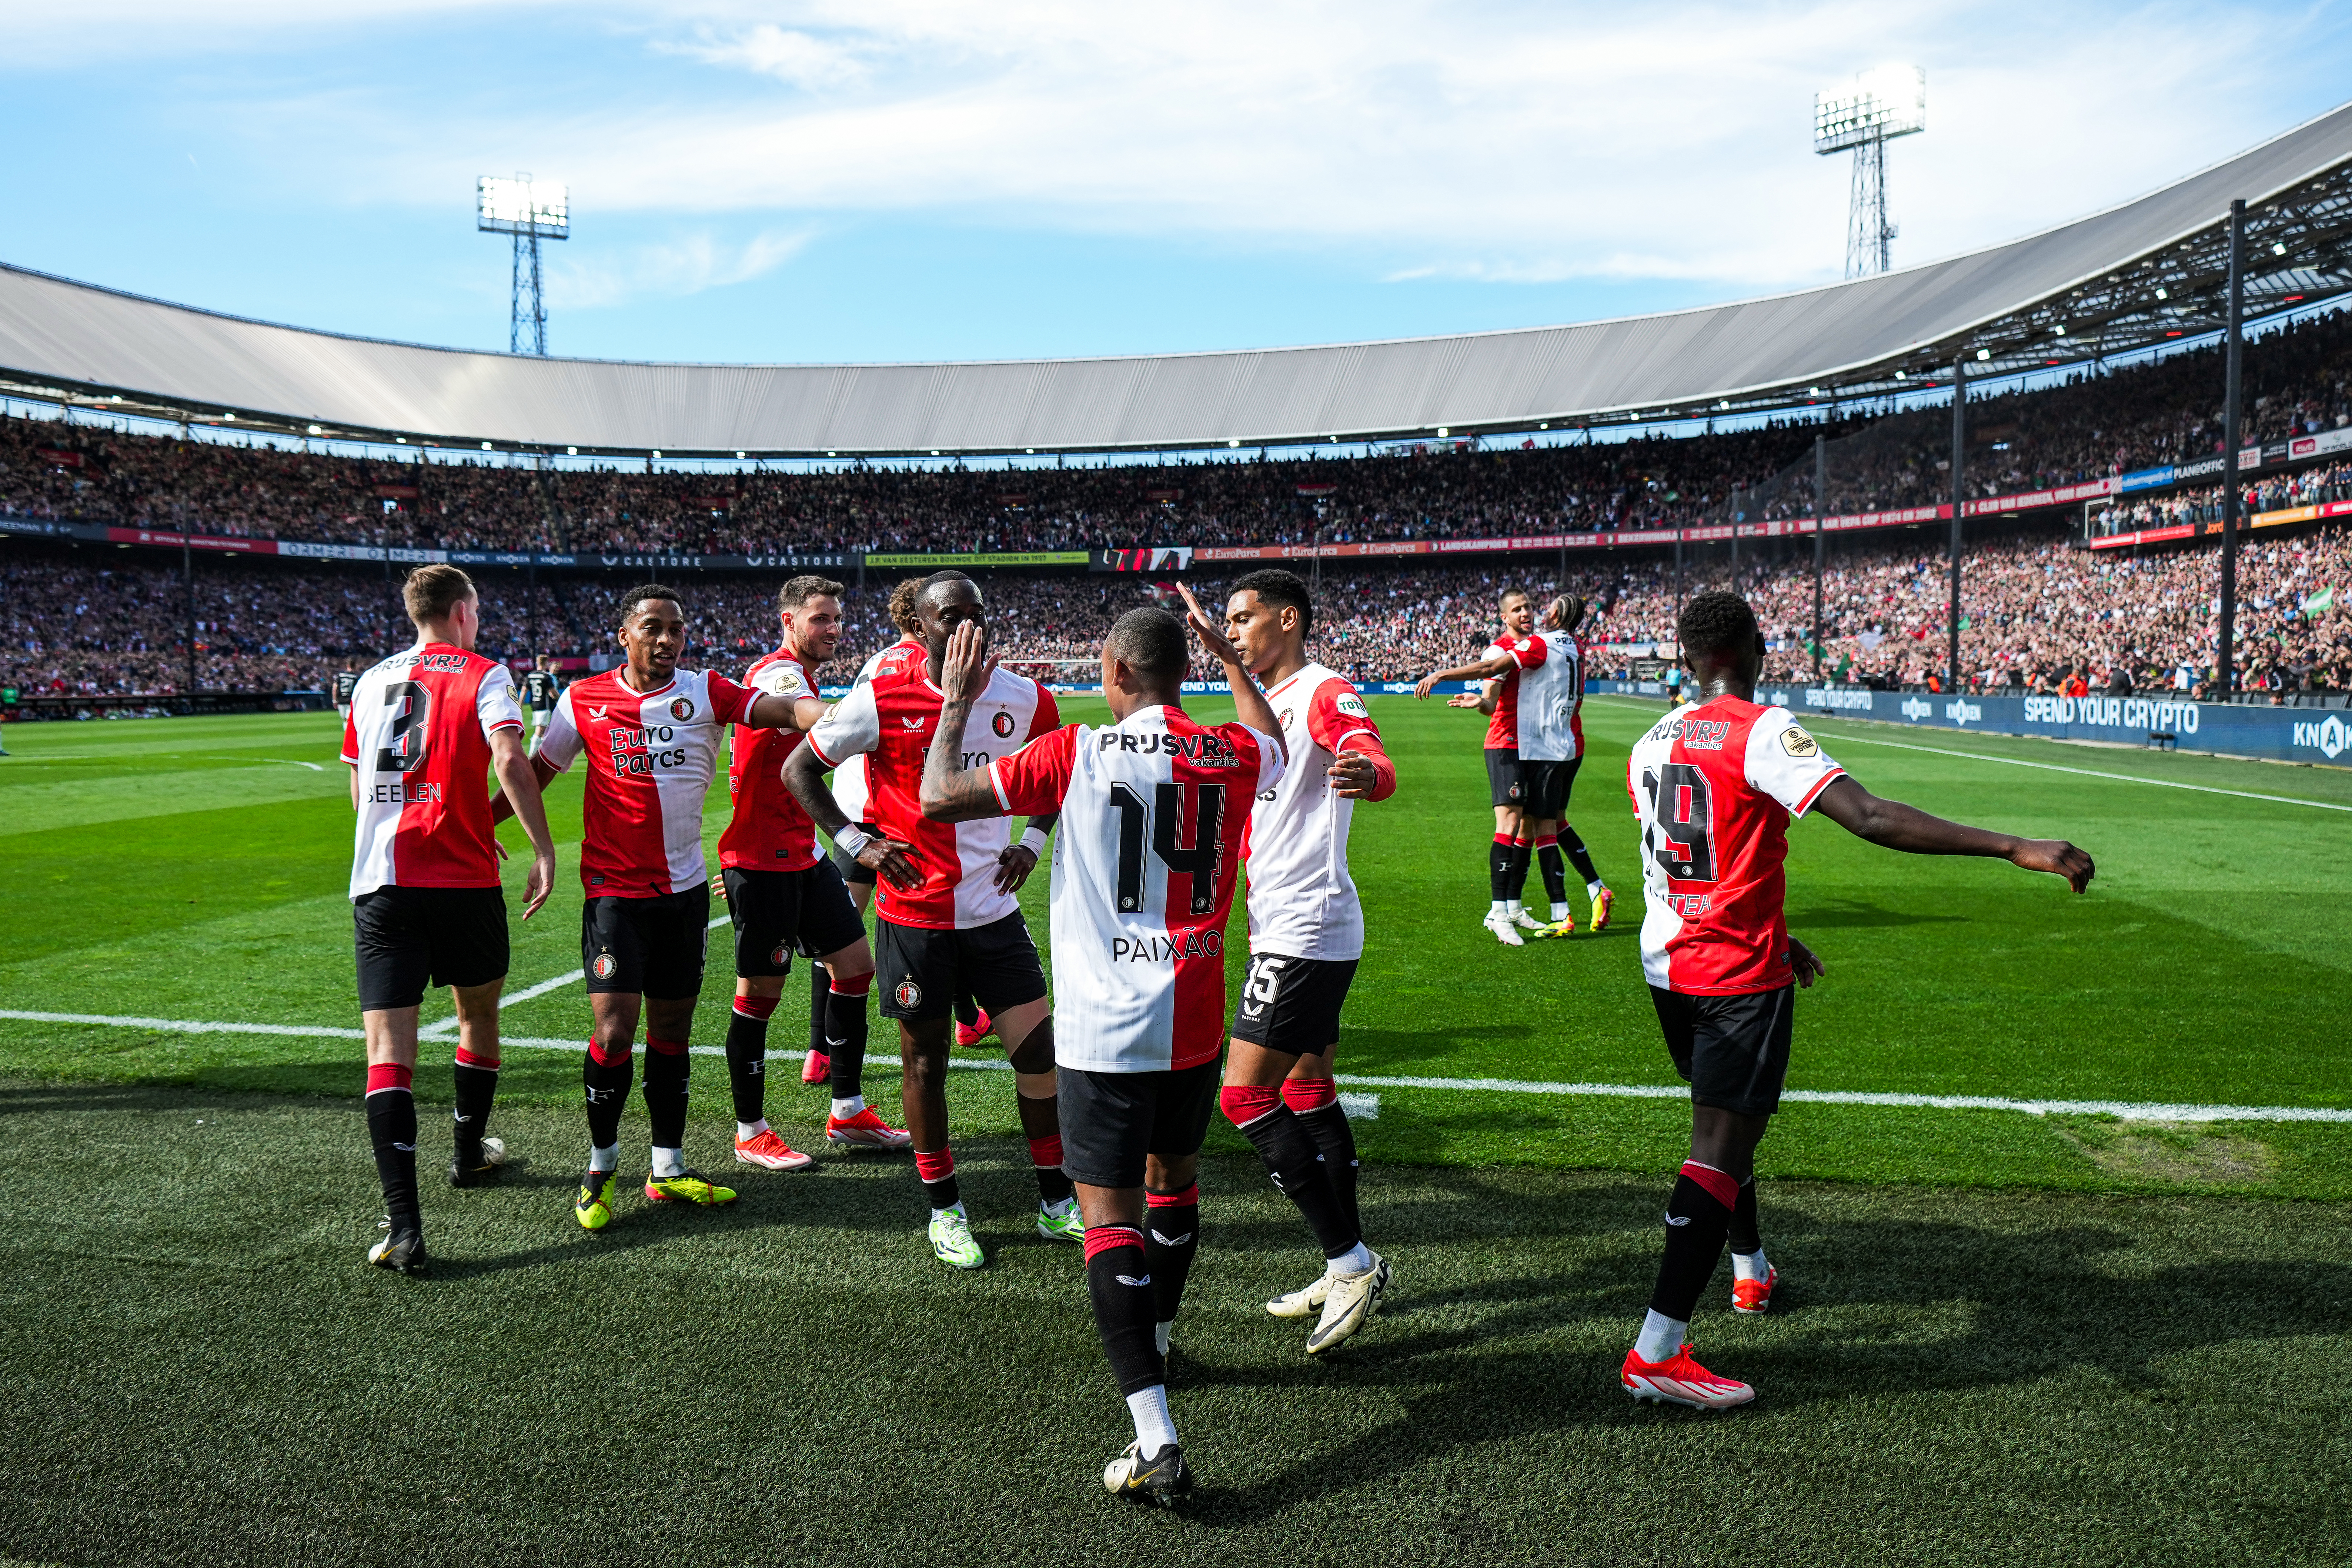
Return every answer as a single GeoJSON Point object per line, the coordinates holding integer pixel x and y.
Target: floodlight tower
{"type": "Point", "coordinates": [530, 211]}
{"type": "Point", "coordinates": [1882, 105]}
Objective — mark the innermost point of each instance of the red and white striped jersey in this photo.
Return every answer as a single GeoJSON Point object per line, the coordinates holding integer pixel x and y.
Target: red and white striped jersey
{"type": "Point", "coordinates": [651, 758]}
{"type": "Point", "coordinates": [1153, 811]}
{"type": "Point", "coordinates": [1503, 728]}
{"type": "Point", "coordinates": [849, 791]}
{"type": "Point", "coordinates": [769, 831]}
{"type": "Point", "coordinates": [1302, 902]}
{"type": "Point", "coordinates": [1551, 700]}
{"type": "Point", "coordinates": [1714, 785]}
{"type": "Point", "coordinates": [419, 733]}
{"type": "Point", "coordinates": [890, 720]}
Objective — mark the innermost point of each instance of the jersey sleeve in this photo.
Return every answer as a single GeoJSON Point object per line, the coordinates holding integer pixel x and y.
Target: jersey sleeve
{"type": "Point", "coordinates": [783, 679]}
{"type": "Point", "coordinates": [1272, 764]}
{"type": "Point", "coordinates": [850, 728]}
{"type": "Point", "coordinates": [559, 743]}
{"type": "Point", "coordinates": [1048, 716]}
{"type": "Point", "coordinates": [1336, 713]}
{"type": "Point", "coordinates": [494, 701]}
{"type": "Point", "coordinates": [1529, 654]}
{"type": "Point", "coordinates": [1033, 780]}
{"type": "Point", "coordinates": [728, 700]}
{"type": "Point", "coordinates": [1786, 763]}
{"type": "Point", "coordinates": [352, 730]}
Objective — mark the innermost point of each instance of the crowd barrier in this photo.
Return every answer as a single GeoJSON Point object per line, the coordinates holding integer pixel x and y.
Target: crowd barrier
{"type": "Point", "coordinates": [2282, 734]}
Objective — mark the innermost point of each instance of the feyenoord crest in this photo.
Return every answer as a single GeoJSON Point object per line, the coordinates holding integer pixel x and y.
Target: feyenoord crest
{"type": "Point", "coordinates": [909, 995]}
{"type": "Point", "coordinates": [1002, 725]}
{"type": "Point", "coordinates": [783, 955]}
{"type": "Point", "coordinates": [682, 709]}
{"type": "Point", "coordinates": [605, 965]}
{"type": "Point", "coordinates": [1282, 720]}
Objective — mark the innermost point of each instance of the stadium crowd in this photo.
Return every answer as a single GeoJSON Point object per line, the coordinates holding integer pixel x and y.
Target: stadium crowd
{"type": "Point", "coordinates": [2039, 614]}
{"type": "Point", "coordinates": [2092, 424]}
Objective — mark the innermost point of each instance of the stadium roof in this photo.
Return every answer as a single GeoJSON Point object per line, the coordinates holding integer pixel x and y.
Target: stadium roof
{"type": "Point", "coordinates": [2121, 279]}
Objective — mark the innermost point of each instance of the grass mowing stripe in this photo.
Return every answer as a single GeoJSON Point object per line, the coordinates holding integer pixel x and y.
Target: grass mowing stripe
{"type": "Point", "coordinates": [2134, 1110]}
{"type": "Point", "coordinates": [2049, 767]}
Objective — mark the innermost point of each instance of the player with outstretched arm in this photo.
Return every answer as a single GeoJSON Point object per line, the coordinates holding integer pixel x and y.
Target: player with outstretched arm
{"type": "Point", "coordinates": [1153, 809]}
{"type": "Point", "coordinates": [1714, 785]}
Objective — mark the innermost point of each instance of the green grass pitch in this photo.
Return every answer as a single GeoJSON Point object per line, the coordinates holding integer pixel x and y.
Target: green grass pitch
{"type": "Point", "coordinates": [2011, 1338]}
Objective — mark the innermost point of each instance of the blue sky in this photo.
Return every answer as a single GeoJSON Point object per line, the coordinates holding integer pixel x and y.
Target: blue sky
{"type": "Point", "coordinates": [902, 179]}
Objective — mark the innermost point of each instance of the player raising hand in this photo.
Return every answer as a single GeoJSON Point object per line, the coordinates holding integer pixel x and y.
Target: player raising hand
{"type": "Point", "coordinates": [1714, 784]}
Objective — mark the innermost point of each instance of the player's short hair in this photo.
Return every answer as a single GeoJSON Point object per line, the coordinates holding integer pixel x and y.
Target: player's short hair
{"type": "Point", "coordinates": [432, 591]}
{"type": "Point", "coordinates": [1716, 623]}
{"type": "Point", "coordinates": [801, 590]}
{"type": "Point", "coordinates": [639, 595]}
{"type": "Point", "coordinates": [1151, 642]}
{"type": "Point", "coordinates": [1272, 585]}
{"type": "Point", "coordinates": [901, 607]}
{"type": "Point", "coordinates": [1507, 595]}
{"type": "Point", "coordinates": [1571, 610]}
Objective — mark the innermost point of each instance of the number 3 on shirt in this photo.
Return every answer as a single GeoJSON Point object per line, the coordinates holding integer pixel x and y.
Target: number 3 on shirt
{"type": "Point", "coordinates": [403, 744]}
{"type": "Point", "coordinates": [1163, 818]}
{"type": "Point", "coordinates": [1682, 840]}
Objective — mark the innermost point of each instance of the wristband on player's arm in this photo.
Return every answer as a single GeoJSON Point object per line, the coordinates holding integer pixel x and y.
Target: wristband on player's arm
{"type": "Point", "coordinates": [852, 840]}
{"type": "Point", "coordinates": [1034, 841]}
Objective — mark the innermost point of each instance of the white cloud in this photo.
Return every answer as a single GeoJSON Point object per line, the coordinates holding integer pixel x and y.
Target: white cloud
{"type": "Point", "coordinates": [686, 265]}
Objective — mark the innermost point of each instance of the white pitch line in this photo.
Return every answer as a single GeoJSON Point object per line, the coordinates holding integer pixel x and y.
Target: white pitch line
{"type": "Point", "coordinates": [2132, 1110]}
{"type": "Point", "coordinates": [448, 1026]}
{"type": "Point", "coordinates": [2045, 767]}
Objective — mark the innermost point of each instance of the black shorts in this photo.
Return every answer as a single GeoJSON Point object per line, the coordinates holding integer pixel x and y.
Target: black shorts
{"type": "Point", "coordinates": [1732, 1050]}
{"type": "Point", "coordinates": [1292, 1004]}
{"type": "Point", "coordinates": [1110, 1120]}
{"type": "Point", "coordinates": [921, 973]}
{"type": "Point", "coordinates": [1545, 788]}
{"type": "Point", "coordinates": [1503, 775]}
{"type": "Point", "coordinates": [778, 913]}
{"type": "Point", "coordinates": [851, 871]}
{"type": "Point", "coordinates": [409, 937]}
{"type": "Point", "coordinates": [647, 947]}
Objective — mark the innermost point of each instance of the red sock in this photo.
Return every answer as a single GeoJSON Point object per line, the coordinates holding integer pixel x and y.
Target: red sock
{"type": "Point", "coordinates": [388, 1075]}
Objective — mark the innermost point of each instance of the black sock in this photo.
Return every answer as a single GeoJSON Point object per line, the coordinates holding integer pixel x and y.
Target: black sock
{"type": "Point", "coordinates": [1172, 1235]}
{"type": "Point", "coordinates": [608, 1092]}
{"type": "Point", "coordinates": [967, 1011]}
{"type": "Point", "coordinates": [1119, 1283]}
{"type": "Point", "coordinates": [1555, 876]}
{"type": "Point", "coordinates": [1335, 1140]}
{"type": "Point", "coordinates": [844, 1036]}
{"type": "Point", "coordinates": [1578, 854]}
{"type": "Point", "coordinates": [477, 1087]}
{"type": "Point", "coordinates": [1291, 1159]}
{"type": "Point", "coordinates": [820, 987]}
{"type": "Point", "coordinates": [747, 1056]}
{"type": "Point", "coordinates": [1498, 869]}
{"type": "Point", "coordinates": [666, 1066]}
{"type": "Point", "coordinates": [392, 1129]}
{"type": "Point", "coordinates": [1515, 874]}
{"type": "Point", "coordinates": [1743, 1236]}
{"type": "Point", "coordinates": [937, 1171]}
{"type": "Point", "coordinates": [1696, 1220]}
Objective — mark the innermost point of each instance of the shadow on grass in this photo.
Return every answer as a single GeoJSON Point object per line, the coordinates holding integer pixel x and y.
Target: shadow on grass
{"type": "Point", "coordinates": [1852, 914]}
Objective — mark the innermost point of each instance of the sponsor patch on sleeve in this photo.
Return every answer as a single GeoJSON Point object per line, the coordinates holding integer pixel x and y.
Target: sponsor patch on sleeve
{"type": "Point", "coordinates": [1796, 743]}
{"type": "Point", "coordinates": [1352, 706]}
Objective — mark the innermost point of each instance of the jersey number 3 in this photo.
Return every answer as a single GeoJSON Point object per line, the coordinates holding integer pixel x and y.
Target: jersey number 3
{"type": "Point", "coordinates": [1161, 821]}
{"type": "Point", "coordinates": [403, 744]}
{"type": "Point", "coordinates": [1682, 840]}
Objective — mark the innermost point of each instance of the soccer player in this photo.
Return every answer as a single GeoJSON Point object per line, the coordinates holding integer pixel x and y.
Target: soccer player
{"type": "Point", "coordinates": [1155, 812]}
{"type": "Point", "coordinates": [347, 680]}
{"type": "Point", "coordinates": [1515, 647]}
{"type": "Point", "coordinates": [947, 920]}
{"type": "Point", "coordinates": [651, 733]}
{"type": "Point", "coordinates": [421, 733]}
{"type": "Point", "coordinates": [1552, 748]}
{"type": "Point", "coordinates": [1306, 936]}
{"type": "Point", "coordinates": [540, 688]}
{"type": "Point", "coordinates": [1714, 784]}
{"type": "Point", "coordinates": [783, 896]}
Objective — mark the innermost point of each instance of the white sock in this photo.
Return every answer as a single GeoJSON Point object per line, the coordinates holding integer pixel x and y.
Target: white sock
{"type": "Point", "coordinates": [1159, 1337]}
{"type": "Point", "coordinates": [1749, 1265]}
{"type": "Point", "coordinates": [1512, 907]}
{"type": "Point", "coordinates": [1596, 889]}
{"type": "Point", "coordinates": [1354, 1262]}
{"type": "Point", "coordinates": [608, 1158]}
{"type": "Point", "coordinates": [669, 1161]}
{"type": "Point", "coordinates": [1662, 1338]}
{"type": "Point", "coordinates": [845, 1108]}
{"type": "Point", "coordinates": [1154, 1430]}
{"type": "Point", "coordinates": [954, 1208]}
{"type": "Point", "coordinates": [1495, 909]}
{"type": "Point", "coordinates": [747, 1130]}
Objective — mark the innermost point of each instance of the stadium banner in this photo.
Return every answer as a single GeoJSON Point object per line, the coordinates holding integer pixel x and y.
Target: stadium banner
{"type": "Point", "coordinates": [2228, 729]}
{"type": "Point", "coordinates": [1143, 558]}
{"type": "Point", "coordinates": [987, 558]}
{"type": "Point", "coordinates": [42, 527]}
{"type": "Point", "coordinates": [195, 540]}
{"type": "Point", "coordinates": [2274, 519]}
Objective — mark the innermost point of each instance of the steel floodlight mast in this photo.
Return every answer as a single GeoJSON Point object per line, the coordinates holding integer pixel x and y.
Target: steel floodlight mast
{"type": "Point", "coordinates": [1882, 105]}
{"type": "Point", "coordinates": [530, 211]}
